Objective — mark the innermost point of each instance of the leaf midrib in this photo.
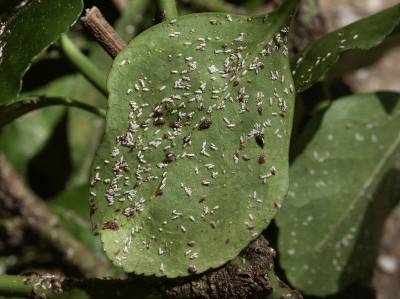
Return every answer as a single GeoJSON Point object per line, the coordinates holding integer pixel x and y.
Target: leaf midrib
{"type": "Point", "coordinates": [380, 166]}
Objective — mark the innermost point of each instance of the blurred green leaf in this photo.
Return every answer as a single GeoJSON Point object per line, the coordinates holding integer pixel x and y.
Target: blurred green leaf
{"type": "Point", "coordinates": [24, 138]}
{"type": "Point", "coordinates": [72, 207]}
{"type": "Point", "coordinates": [25, 33]}
{"type": "Point", "coordinates": [167, 66]}
{"type": "Point", "coordinates": [320, 56]}
{"type": "Point", "coordinates": [128, 24]}
{"type": "Point", "coordinates": [342, 188]}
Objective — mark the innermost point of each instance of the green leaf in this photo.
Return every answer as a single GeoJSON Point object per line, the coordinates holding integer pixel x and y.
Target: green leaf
{"type": "Point", "coordinates": [73, 210]}
{"type": "Point", "coordinates": [341, 190]}
{"type": "Point", "coordinates": [32, 27]}
{"type": "Point", "coordinates": [319, 57]}
{"type": "Point", "coordinates": [175, 191]}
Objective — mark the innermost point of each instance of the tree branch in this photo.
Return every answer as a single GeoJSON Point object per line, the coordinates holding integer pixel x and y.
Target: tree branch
{"type": "Point", "coordinates": [16, 199]}
{"type": "Point", "coordinates": [250, 276]}
{"type": "Point", "coordinates": [103, 32]}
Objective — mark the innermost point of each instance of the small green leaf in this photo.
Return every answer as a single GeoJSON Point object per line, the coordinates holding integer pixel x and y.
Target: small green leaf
{"type": "Point", "coordinates": [341, 190]}
{"type": "Point", "coordinates": [194, 160]}
{"type": "Point", "coordinates": [32, 27]}
{"type": "Point", "coordinates": [319, 57]}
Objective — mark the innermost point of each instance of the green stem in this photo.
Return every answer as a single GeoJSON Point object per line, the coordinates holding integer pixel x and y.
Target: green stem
{"type": "Point", "coordinates": [84, 65]}
{"type": "Point", "coordinates": [169, 9]}
{"type": "Point", "coordinates": [14, 285]}
{"type": "Point", "coordinates": [15, 110]}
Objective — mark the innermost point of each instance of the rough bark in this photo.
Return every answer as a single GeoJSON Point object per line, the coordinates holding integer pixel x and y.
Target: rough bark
{"type": "Point", "coordinates": [19, 202]}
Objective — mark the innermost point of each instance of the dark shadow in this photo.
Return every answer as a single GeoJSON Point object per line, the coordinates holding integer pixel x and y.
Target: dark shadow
{"type": "Point", "coordinates": [50, 169]}
{"type": "Point", "coordinates": [46, 70]}
{"type": "Point", "coordinates": [389, 100]}
{"type": "Point", "coordinates": [300, 140]}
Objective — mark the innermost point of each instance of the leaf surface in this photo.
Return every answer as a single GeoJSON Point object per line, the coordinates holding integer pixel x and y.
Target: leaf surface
{"type": "Point", "coordinates": [341, 190]}
{"type": "Point", "coordinates": [194, 160]}
{"type": "Point", "coordinates": [320, 56]}
{"type": "Point", "coordinates": [31, 27]}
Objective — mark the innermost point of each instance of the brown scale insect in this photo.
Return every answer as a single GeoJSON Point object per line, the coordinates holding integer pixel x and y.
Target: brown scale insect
{"type": "Point", "coordinates": [93, 207]}
{"type": "Point", "coordinates": [111, 225]}
{"type": "Point", "coordinates": [259, 137]}
{"type": "Point", "coordinates": [241, 97]}
{"type": "Point", "coordinates": [205, 124]}
{"type": "Point", "coordinates": [246, 158]}
{"type": "Point", "coordinates": [261, 159]}
{"type": "Point", "coordinates": [160, 121]}
{"type": "Point", "coordinates": [191, 243]}
{"type": "Point", "coordinates": [169, 157]}
{"type": "Point", "coordinates": [158, 112]}
{"type": "Point", "coordinates": [175, 125]}
{"type": "Point", "coordinates": [236, 82]}
{"type": "Point", "coordinates": [242, 145]}
{"type": "Point", "coordinates": [260, 109]}
{"type": "Point", "coordinates": [203, 199]}
{"type": "Point", "coordinates": [192, 269]}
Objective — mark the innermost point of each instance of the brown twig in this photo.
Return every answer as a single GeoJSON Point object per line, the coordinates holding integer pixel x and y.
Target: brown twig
{"type": "Point", "coordinates": [103, 32]}
{"type": "Point", "coordinates": [250, 276]}
{"type": "Point", "coordinates": [17, 200]}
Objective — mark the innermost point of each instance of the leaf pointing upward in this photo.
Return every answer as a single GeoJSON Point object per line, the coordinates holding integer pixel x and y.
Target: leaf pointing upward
{"type": "Point", "coordinates": [319, 57]}
{"type": "Point", "coordinates": [33, 26]}
{"type": "Point", "coordinates": [195, 156]}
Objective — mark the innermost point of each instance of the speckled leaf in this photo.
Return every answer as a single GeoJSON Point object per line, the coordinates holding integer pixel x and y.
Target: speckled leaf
{"type": "Point", "coordinates": [341, 190]}
{"type": "Point", "coordinates": [194, 160]}
{"type": "Point", "coordinates": [319, 57]}
{"type": "Point", "coordinates": [24, 34]}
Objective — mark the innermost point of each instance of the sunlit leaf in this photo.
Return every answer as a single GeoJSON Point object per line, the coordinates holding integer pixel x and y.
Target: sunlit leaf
{"type": "Point", "coordinates": [319, 57]}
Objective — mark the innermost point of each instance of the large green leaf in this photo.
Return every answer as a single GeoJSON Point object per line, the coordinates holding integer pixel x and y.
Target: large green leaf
{"type": "Point", "coordinates": [25, 33]}
{"type": "Point", "coordinates": [341, 190]}
{"type": "Point", "coordinates": [319, 57]}
{"type": "Point", "coordinates": [194, 160]}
